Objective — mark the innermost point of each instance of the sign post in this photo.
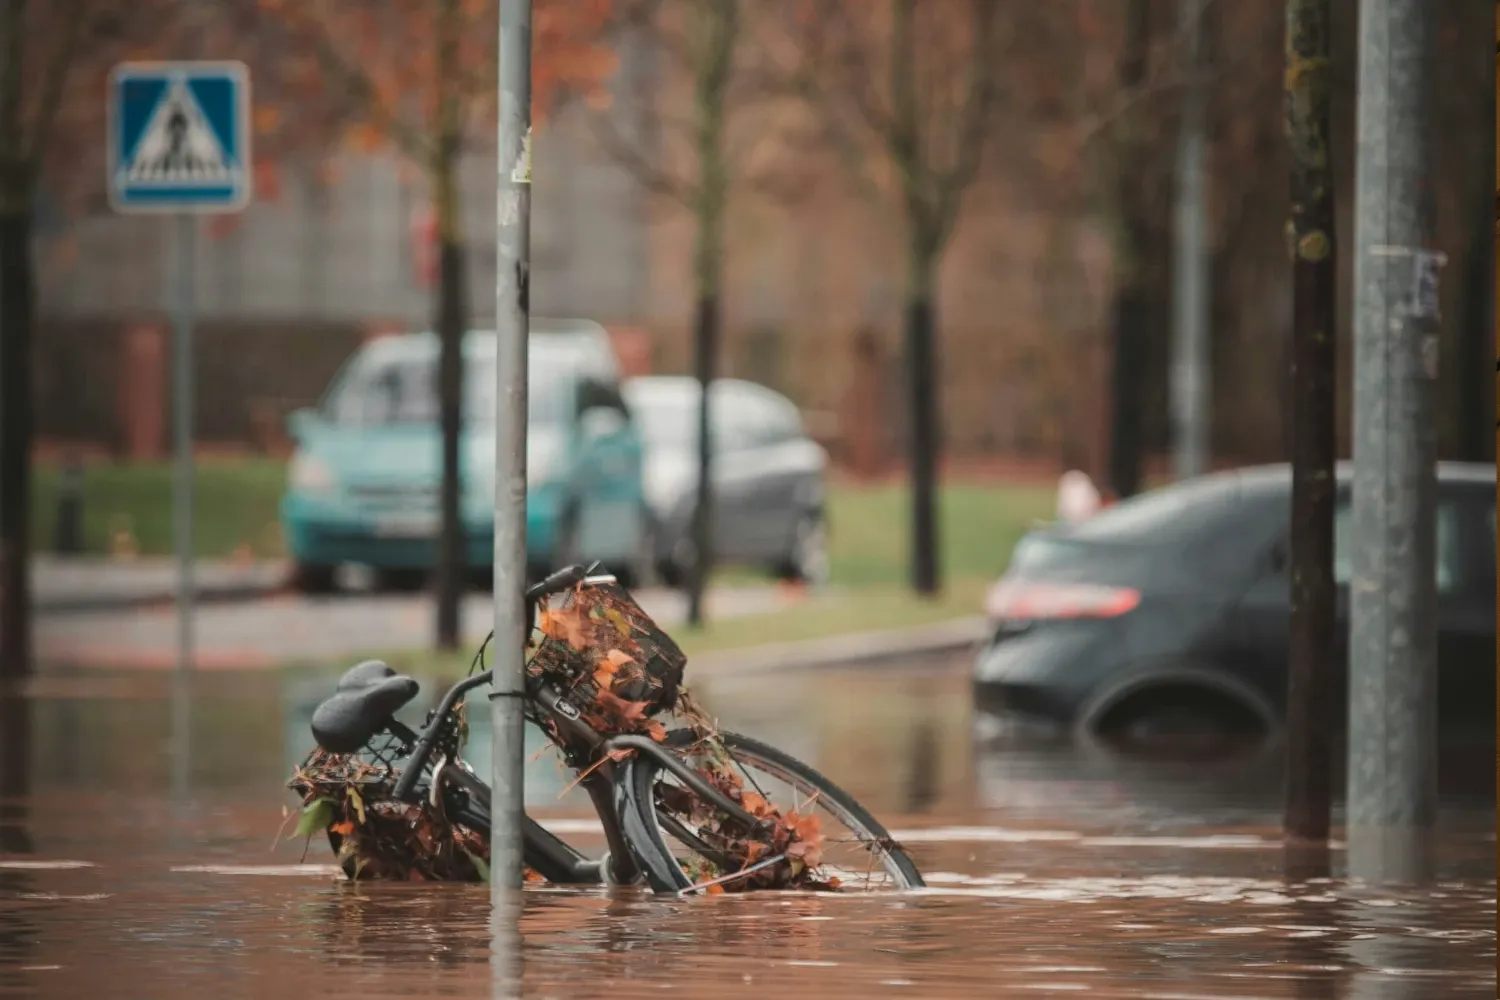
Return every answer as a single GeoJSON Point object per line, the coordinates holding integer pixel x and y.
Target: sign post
{"type": "Point", "coordinates": [1391, 804]}
{"type": "Point", "coordinates": [512, 327]}
{"type": "Point", "coordinates": [179, 144]}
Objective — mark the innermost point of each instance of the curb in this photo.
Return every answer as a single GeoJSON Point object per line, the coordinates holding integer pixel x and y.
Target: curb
{"type": "Point", "coordinates": [86, 584]}
{"type": "Point", "coordinates": [887, 647]}
{"type": "Point", "coordinates": [87, 603]}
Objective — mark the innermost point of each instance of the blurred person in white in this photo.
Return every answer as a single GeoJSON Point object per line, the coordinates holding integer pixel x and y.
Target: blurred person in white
{"type": "Point", "coordinates": [1077, 497]}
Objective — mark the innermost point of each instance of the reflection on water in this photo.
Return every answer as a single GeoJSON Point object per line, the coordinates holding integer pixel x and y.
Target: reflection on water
{"type": "Point", "coordinates": [1051, 869]}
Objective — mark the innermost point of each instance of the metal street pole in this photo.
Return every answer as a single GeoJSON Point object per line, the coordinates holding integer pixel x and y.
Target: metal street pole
{"type": "Point", "coordinates": [182, 493]}
{"type": "Point", "coordinates": [512, 309]}
{"type": "Point", "coordinates": [1392, 801]}
{"type": "Point", "coordinates": [1190, 284]}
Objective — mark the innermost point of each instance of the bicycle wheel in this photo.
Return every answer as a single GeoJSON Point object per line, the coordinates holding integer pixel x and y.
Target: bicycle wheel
{"type": "Point", "coordinates": [683, 844]}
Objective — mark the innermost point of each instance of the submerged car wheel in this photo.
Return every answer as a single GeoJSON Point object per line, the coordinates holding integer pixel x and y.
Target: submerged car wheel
{"type": "Point", "coordinates": [313, 578]}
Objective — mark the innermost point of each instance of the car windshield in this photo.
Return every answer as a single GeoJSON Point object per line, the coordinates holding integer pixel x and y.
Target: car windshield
{"type": "Point", "coordinates": [391, 391]}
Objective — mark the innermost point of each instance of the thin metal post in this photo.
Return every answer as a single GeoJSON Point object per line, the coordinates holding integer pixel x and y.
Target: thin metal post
{"type": "Point", "coordinates": [1190, 284]}
{"type": "Point", "coordinates": [512, 309]}
{"type": "Point", "coordinates": [1392, 802]}
{"type": "Point", "coordinates": [182, 493]}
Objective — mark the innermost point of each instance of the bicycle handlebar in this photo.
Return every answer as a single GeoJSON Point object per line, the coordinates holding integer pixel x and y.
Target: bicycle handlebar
{"type": "Point", "coordinates": [568, 576]}
{"type": "Point", "coordinates": [564, 578]}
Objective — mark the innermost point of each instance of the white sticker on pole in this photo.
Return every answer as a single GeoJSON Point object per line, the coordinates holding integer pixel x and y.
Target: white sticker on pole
{"type": "Point", "coordinates": [1422, 300]}
{"type": "Point", "coordinates": [521, 172]}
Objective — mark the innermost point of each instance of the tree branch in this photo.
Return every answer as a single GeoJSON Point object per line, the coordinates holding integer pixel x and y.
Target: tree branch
{"type": "Point", "coordinates": [805, 81]}
{"type": "Point", "coordinates": [904, 136]}
{"type": "Point", "coordinates": [714, 51]}
{"type": "Point", "coordinates": [54, 79]}
{"type": "Point", "coordinates": [12, 50]}
{"type": "Point", "coordinates": [974, 120]}
{"type": "Point", "coordinates": [356, 82]}
{"type": "Point", "coordinates": [646, 172]}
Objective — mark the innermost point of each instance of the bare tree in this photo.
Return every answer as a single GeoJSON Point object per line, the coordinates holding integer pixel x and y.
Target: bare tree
{"type": "Point", "coordinates": [694, 158]}
{"type": "Point", "coordinates": [39, 47]}
{"type": "Point", "coordinates": [914, 84]}
{"type": "Point", "coordinates": [420, 77]}
{"type": "Point", "coordinates": [1314, 362]}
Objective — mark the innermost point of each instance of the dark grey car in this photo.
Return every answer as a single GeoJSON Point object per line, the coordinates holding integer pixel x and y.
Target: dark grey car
{"type": "Point", "coordinates": [1171, 611]}
{"type": "Point", "coordinates": [768, 476]}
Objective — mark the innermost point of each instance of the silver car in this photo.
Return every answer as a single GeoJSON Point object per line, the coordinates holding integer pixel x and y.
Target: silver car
{"type": "Point", "coordinates": [767, 473]}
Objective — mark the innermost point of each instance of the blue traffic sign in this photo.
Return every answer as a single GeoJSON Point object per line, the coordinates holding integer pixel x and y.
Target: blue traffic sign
{"type": "Point", "coordinates": [179, 137]}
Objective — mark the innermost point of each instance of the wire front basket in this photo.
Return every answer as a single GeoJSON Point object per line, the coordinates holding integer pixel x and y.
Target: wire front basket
{"type": "Point", "coordinates": [610, 660]}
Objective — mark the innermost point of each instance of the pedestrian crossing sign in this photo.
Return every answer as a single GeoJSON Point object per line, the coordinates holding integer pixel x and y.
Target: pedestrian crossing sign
{"type": "Point", "coordinates": [179, 137]}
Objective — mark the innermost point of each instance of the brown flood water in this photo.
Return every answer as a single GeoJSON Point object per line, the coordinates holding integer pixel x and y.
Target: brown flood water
{"type": "Point", "coordinates": [1052, 870]}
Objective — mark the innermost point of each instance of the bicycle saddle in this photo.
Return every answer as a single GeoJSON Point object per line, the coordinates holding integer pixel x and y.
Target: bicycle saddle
{"type": "Point", "coordinates": [367, 696]}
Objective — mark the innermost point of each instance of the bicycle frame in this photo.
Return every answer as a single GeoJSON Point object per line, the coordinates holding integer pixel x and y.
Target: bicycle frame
{"type": "Point", "coordinates": [582, 747]}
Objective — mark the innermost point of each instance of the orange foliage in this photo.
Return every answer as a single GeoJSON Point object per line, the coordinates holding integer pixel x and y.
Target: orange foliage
{"type": "Point", "coordinates": [381, 69]}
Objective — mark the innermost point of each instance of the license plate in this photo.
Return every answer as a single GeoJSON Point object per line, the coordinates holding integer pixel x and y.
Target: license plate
{"type": "Point", "coordinates": [407, 526]}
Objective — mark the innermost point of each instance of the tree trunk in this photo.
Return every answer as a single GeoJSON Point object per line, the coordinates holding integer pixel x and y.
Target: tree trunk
{"type": "Point", "coordinates": [15, 771]}
{"type": "Point", "coordinates": [714, 62]}
{"type": "Point", "coordinates": [1130, 333]}
{"type": "Point", "coordinates": [16, 304]}
{"type": "Point", "coordinates": [705, 365]}
{"type": "Point", "coordinates": [450, 570]}
{"type": "Point", "coordinates": [923, 443]}
{"type": "Point", "coordinates": [1132, 311]}
{"type": "Point", "coordinates": [1475, 335]}
{"type": "Point", "coordinates": [1314, 444]}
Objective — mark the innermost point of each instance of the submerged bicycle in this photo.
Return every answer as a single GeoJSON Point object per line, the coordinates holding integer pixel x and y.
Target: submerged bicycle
{"type": "Point", "coordinates": [694, 809]}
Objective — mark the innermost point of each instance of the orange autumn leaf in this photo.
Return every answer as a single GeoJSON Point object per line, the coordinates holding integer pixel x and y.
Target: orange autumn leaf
{"type": "Point", "coordinates": [755, 804]}
{"type": "Point", "coordinates": [656, 731]}
{"type": "Point", "coordinates": [266, 118]}
{"type": "Point", "coordinates": [715, 890]}
{"type": "Point", "coordinates": [806, 827]}
{"type": "Point", "coordinates": [613, 662]}
{"type": "Point", "coordinates": [568, 624]}
{"type": "Point", "coordinates": [625, 711]}
{"type": "Point", "coordinates": [342, 829]}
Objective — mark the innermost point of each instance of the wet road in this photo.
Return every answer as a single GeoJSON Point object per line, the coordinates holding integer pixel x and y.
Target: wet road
{"type": "Point", "coordinates": [1052, 869]}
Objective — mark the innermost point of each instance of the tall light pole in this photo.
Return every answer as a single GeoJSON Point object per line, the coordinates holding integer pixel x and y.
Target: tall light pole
{"type": "Point", "coordinates": [1392, 795]}
{"type": "Point", "coordinates": [512, 325]}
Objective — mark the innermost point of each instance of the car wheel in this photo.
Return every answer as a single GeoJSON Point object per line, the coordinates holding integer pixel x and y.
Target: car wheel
{"type": "Point", "coordinates": [401, 581]}
{"type": "Point", "coordinates": [807, 562]}
{"type": "Point", "coordinates": [669, 574]}
{"type": "Point", "coordinates": [1174, 720]}
{"type": "Point", "coordinates": [313, 578]}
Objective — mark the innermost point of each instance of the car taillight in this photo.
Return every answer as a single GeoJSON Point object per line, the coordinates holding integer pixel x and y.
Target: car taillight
{"type": "Point", "coordinates": [1022, 600]}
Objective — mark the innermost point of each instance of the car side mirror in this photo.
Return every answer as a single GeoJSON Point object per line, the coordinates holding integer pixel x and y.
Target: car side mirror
{"type": "Point", "coordinates": [300, 422]}
{"type": "Point", "coordinates": [601, 422]}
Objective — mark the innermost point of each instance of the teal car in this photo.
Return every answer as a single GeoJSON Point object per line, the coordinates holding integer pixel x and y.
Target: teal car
{"type": "Point", "coordinates": [362, 486]}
